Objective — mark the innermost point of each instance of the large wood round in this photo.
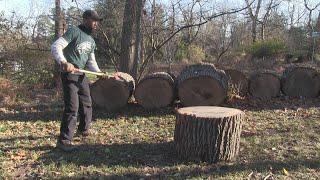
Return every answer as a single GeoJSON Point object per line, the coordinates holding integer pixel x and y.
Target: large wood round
{"type": "Point", "coordinates": [264, 85]}
{"type": "Point", "coordinates": [238, 81]}
{"type": "Point", "coordinates": [300, 82]}
{"type": "Point", "coordinates": [201, 85]}
{"type": "Point", "coordinates": [208, 133]}
{"type": "Point", "coordinates": [156, 90]}
{"type": "Point", "coordinates": [111, 94]}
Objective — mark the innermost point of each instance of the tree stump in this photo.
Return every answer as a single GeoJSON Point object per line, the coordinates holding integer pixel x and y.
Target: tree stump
{"type": "Point", "coordinates": [208, 133]}
{"type": "Point", "coordinates": [112, 94]}
{"type": "Point", "coordinates": [300, 82]}
{"type": "Point", "coordinates": [202, 85]}
{"type": "Point", "coordinates": [238, 80]}
{"type": "Point", "coordinates": [264, 85]}
{"type": "Point", "coordinates": [156, 90]}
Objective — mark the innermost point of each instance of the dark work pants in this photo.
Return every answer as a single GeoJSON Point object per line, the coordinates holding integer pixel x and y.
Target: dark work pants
{"type": "Point", "coordinates": [77, 101]}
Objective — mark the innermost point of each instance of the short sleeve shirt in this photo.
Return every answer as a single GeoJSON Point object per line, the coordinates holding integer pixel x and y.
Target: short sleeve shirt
{"type": "Point", "coordinates": [80, 45]}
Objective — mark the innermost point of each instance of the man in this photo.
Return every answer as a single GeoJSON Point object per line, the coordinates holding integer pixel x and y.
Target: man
{"type": "Point", "coordinates": [74, 51]}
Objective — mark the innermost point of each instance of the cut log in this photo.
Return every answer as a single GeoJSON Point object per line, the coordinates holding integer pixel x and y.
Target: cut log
{"type": "Point", "coordinates": [300, 82]}
{"type": "Point", "coordinates": [156, 90]}
{"type": "Point", "coordinates": [264, 85]}
{"type": "Point", "coordinates": [208, 133]}
{"type": "Point", "coordinates": [238, 80]}
{"type": "Point", "coordinates": [112, 94]}
{"type": "Point", "coordinates": [202, 85]}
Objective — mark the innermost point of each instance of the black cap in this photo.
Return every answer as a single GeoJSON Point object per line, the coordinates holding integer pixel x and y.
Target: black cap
{"type": "Point", "coordinates": [91, 14]}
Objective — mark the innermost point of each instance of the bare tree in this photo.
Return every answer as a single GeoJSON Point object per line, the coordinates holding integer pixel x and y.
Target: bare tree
{"type": "Point", "coordinates": [254, 17]}
{"type": "Point", "coordinates": [126, 40]}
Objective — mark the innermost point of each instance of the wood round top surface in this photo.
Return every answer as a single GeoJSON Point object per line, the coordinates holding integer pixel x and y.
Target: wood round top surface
{"type": "Point", "coordinates": [209, 111]}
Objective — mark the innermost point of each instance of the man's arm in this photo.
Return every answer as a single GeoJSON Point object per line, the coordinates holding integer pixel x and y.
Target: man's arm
{"type": "Point", "coordinates": [92, 63]}
{"type": "Point", "coordinates": [57, 52]}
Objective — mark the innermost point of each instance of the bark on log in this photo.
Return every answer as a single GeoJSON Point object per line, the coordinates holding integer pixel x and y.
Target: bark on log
{"type": "Point", "coordinates": [208, 133]}
{"type": "Point", "coordinates": [112, 94]}
{"type": "Point", "coordinates": [264, 85]}
{"type": "Point", "coordinates": [300, 82]}
{"type": "Point", "coordinates": [202, 85]}
{"type": "Point", "coordinates": [156, 90]}
{"type": "Point", "coordinates": [238, 80]}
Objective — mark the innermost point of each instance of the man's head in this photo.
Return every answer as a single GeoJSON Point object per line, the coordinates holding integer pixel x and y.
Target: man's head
{"type": "Point", "coordinates": [91, 19]}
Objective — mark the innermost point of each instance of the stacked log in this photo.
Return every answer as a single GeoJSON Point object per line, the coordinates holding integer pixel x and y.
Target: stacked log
{"type": "Point", "coordinates": [208, 133]}
{"type": "Point", "coordinates": [202, 85]}
{"type": "Point", "coordinates": [156, 90]}
{"type": "Point", "coordinates": [238, 80]}
{"type": "Point", "coordinates": [264, 85]}
{"type": "Point", "coordinates": [300, 82]}
{"type": "Point", "coordinates": [111, 94]}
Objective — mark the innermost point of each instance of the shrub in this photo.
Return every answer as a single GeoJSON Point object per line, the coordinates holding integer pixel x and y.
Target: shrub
{"type": "Point", "coordinates": [269, 48]}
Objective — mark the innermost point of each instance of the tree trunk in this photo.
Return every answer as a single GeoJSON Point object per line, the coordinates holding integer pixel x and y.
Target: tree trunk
{"type": "Point", "coordinates": [126, 39]}
{"type": "Point", "coordinates": [111, 94]}
{"type": "Point", "coordinates": [264, 85]}
{"type": "Point", "coordinates": [155, 91]}
{"type": "Point", "coordinates": [300, 82]}
{"type": "Point", "coordinates": [59, 30]}
{"type": "Point", "coordinates": [208, 133]}
{"type": "Point", "coordinates": [137, 50]}
{"type": "Point", "coordinates": [202, 85]}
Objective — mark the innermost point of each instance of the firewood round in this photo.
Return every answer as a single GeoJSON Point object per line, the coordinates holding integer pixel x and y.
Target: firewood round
{"type": "Point", "coordinates": [300, 82]}
{"type": "Point", "coordinates": [156, 90]}
{"type": "Point", "coordinates": [111, 94]}
{"type": "Point", "coordinates": [202, 85]}
{"type": "Point", "coordinates": [208, 133]}
{"type": "Point", "coordinates": [264, 85]}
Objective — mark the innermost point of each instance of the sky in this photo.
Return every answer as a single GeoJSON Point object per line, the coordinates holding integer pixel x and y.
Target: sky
{"type": "Point", "coordinates": [32, 8]}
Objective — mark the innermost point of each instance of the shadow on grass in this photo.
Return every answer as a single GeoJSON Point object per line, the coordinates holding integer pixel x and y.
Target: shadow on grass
{"type": "Point", "coordinates": [133, 110]}
{"type": "Point", "coordinates": [54, 113]}
{"type": "Point", "coordinates": [161, 156]}
{"type": "Point", "coordinates": [278, 103]}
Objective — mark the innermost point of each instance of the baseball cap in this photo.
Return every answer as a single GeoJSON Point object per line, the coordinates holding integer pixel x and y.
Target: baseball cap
{"type": "Point", "coordinates": [91, 14]}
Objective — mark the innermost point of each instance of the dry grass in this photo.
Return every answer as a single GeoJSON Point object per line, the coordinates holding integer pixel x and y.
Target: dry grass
{"type": "Point", "coordinates": [280, 139]}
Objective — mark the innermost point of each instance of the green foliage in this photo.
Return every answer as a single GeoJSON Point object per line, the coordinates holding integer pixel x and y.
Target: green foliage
{"type": "Point", "coordinates": [268, 48]}
{"type": "Point", "coordinates": [191, 53]}
{"type": "Point", "coordinates": [182, 52]}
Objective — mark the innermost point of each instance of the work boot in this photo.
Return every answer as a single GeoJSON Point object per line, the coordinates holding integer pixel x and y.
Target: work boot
{"type": "Point", "coordinates": [65, 145]}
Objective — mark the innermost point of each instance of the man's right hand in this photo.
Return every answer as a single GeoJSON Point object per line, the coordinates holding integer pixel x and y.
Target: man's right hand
{"type": "Point", "coordinates": [67, 67]}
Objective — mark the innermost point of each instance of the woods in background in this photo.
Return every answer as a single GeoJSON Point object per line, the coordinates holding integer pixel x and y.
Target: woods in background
{"type": "Point", "coordinates": [137, 33]}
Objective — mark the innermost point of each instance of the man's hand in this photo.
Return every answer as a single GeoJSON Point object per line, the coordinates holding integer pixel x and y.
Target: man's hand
{"type": "Point", "coordinates": [117, 76]}
{"type": "Point", "coordinates": [67, 67]}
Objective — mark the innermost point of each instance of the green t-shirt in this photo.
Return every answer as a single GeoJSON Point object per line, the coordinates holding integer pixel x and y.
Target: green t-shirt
{"type": "Point", "coordinates": [80, 45]}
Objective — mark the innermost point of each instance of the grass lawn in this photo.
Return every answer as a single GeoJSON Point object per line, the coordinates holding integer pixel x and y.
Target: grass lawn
{"type": "Point", "coordinates": [280, 140]}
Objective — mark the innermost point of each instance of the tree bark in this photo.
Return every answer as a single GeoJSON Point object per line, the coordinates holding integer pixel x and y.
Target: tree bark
{"type": "Point", "coordinates": [126, 39]}
{"type": "Point", "coordinates": [137, 50]}
{"type": "Point", "coordinates": [208, 133]}
{"type": "Point", "coordinates": [59, 30]}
